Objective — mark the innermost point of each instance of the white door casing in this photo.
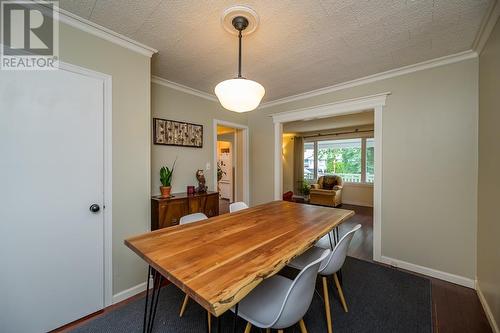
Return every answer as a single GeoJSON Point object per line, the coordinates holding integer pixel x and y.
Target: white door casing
{"type": "Point", "coordinates": [377, 103]}
{"type": "Point", "coordinates": [55, 148]}
{"type": "Point", "coordinates": [245, 154]}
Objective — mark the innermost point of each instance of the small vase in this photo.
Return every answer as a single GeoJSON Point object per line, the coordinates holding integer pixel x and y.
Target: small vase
{"type": "Point", "coordinates": [165, 191]}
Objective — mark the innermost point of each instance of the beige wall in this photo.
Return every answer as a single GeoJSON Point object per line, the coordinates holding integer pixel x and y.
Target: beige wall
{"type": "Point", "coordinates": [131, 117]}
{"type": "Point", "coordinates": [429, 163]}
{"type": "Point", "coordinates": [287, 160]}
{"type": "Point", "coordinates": [358, 194]}
{"type": "Point", "coordinates": [171, 104]}
{"type": "Point", "coordinates": [239, 165]}
{"type": "Point", "coordinates": [488, 241]}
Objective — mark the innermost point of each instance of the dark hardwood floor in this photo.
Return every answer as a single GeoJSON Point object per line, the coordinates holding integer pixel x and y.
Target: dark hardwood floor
{"type": "Point", "coordinates": [362, 243]}
{"type": "Point", "coordinates": [456, 309]}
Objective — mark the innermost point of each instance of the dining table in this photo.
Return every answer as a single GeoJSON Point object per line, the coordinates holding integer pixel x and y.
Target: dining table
{"type": "Point", "coordinates": [218, 261]}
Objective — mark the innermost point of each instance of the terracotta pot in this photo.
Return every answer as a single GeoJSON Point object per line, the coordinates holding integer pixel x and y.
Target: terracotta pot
{"type": "Point", "coordinates": [165, 191]}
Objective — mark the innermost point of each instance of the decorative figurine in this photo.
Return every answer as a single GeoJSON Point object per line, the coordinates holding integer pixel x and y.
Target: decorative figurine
{"type": "Point", "coordinates": [202, 188]}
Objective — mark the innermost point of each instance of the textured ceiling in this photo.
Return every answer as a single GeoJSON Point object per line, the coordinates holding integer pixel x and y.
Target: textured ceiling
{"type": "Point", "coordinates": [299, 46]}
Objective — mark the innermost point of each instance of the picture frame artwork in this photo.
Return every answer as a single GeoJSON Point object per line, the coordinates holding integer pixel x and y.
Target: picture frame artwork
{"type": "Point", "coordinates": [176, 133]}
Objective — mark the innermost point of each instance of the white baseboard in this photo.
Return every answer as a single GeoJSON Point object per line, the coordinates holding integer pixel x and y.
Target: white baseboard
{"type": "Point", "coordinates": [457, 279]}
{"type": "Point", "coordinates": [487, 309]}
{"type": "Point", "coordinates": [357, 203]}
{"type": "Point", "coordinates": [123, 295]}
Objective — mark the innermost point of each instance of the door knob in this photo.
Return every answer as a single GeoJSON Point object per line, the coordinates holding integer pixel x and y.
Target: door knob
{"type": "Point", "coordinates": [94, 208]}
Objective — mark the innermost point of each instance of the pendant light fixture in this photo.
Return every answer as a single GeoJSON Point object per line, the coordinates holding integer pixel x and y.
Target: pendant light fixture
{"type": "Point", "coordinates": [239, 94]}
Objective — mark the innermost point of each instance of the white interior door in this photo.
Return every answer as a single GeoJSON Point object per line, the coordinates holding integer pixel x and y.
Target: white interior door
{"type": "Point", "coordinates": [51, 161]}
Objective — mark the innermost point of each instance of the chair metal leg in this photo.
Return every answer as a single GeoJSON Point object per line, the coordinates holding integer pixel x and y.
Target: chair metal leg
{"type": "Point", "coordinates": [248, 328]}
{"type": "Point", "coordinates": [302, 325]}
{"type": "Point", "coordinates": [184, 304]}
{"type": "Point", "coordinates": [341, 293]}
{"type": "Point", "coordinates": [327, 305]}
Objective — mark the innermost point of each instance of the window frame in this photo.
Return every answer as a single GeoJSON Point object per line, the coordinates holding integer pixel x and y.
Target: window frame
{"type": "Point", "coordinates": [363, 181]}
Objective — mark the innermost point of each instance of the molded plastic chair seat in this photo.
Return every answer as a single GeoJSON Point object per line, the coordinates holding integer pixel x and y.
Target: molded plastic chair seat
{"type": "Point", "coordinates": [270, 292]}
{"type": "Point", "coordinates": [324, 242]}
{"type": "Point", "coordinates": [307, 257]}
{"type": "Point", "coordinates": [195, 217]}
{"type": "Point", "coordinates": [236, 206]}
{"type": "Point", "coordinates": [278, 302]}
{"type": "Point", "coordinates": [329, 266]}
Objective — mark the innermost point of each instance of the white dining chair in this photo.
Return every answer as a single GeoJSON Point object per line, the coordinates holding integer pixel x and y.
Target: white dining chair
{"type": "Point", "coordinates": [236, 206]}
{"type": "Point", "coordinates": [330, 266]}
{"type": "Point", "coordinates": [195, 217]}
{"type": "Point", "coordinates": [278, 302]}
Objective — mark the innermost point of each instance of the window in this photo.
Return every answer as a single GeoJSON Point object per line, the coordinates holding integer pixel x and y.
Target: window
{"type": "Point", "coordinates": [370, 157]}
{"type": "Point", "coordinates": [340, 157]}
{"type": "Point", "coordinates": [352, 159]}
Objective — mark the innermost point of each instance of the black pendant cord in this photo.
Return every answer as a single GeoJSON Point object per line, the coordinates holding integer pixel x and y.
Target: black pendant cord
{"type": "Point", "coordinates": [239, 54]}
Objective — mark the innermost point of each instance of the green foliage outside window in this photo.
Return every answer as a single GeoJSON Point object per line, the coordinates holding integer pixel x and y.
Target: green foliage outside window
{"type": "Point", "coordinates": [341, 160]}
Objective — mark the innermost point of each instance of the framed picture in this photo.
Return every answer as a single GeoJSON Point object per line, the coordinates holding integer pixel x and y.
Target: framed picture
{"type": "Point", "coordinates": [176, 133]}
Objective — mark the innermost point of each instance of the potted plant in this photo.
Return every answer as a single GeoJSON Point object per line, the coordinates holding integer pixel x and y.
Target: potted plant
{"type": "Point", "coordinates": [306, 189]}
{"type": "Point", "coordinates": [166, 180]}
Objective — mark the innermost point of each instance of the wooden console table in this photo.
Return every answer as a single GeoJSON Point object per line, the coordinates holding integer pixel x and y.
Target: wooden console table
{"type": "Point", "coordinates": [166, 212]}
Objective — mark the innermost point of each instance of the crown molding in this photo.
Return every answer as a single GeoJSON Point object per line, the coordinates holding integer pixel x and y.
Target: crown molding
{"type": "Point", "coordinates": [183, 88]}
{"type": "Point", "coordinates": [107, 34]}
{"type": "Point", "coordinates": [376, 77]}
{"type": "Point", "coordinates": [487, 27]}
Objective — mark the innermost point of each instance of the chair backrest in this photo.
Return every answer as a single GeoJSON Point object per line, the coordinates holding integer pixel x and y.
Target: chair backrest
{"type": "Point", "coordinates": [327, 182]}
{"type": "Point", "coordinates": [195, 217]}
{"type": "Point", "coordinates": [336, 258]}
{"type": "Point", "coordinates": [236, 206]}
{"type": "Point", "coordinates": [299, 296]}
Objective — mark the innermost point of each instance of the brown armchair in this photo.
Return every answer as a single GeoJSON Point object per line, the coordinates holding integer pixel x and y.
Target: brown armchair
{"type": "Point", "coordinates": [327, 192]}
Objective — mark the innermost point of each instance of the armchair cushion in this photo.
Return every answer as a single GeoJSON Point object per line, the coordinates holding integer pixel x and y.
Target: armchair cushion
{"type": "Point", "coordinates": [327, 191]}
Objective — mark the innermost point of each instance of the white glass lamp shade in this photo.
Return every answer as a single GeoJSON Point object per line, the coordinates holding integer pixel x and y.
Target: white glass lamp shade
{"type": "Point", "coordinates": [239, 95]}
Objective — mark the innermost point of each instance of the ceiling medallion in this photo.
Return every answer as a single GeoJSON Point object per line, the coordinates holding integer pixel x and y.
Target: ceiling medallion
{"type": "Point", "coordinates": [240, 94]}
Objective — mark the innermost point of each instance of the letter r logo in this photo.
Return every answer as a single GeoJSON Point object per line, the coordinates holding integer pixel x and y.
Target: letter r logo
{"type": "Point", "coordinates": [27, 28]}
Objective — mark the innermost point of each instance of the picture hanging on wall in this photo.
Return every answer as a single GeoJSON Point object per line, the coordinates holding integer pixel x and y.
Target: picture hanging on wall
{"type": "Point", "coordinates": [176, 133]}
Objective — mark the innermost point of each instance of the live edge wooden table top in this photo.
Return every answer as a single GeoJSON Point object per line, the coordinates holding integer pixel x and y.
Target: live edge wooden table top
{"type": "Point", "coordinates": [220, 260]}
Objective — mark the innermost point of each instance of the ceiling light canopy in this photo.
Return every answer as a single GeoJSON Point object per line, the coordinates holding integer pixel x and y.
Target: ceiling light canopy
{"type": "Point", "coordinates": [239, 94]}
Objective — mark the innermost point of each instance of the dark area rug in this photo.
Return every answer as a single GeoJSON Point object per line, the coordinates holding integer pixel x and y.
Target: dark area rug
{"type": "Point", "coordinates": [380, 299]}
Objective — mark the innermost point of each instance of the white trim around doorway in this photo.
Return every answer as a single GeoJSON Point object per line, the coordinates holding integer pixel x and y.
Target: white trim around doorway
{"type": "Point", "coordinates": [108, 158]}
{"type": "Point", "coordinates": [350, 106]}
{"type": "Point", "coordinates": [245, 155]}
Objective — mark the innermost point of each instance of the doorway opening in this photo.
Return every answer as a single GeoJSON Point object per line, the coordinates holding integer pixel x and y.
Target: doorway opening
{"type": "Point", "coordinates": [231, 163]}
{"type": "Point", "coordinates": [350, 106]}
{"type": "Point", "coordinates": [339, 149]}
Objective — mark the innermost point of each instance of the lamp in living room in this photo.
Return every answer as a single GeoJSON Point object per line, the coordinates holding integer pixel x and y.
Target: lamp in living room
{"type": "Point", "coordinates": [240, 94]}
